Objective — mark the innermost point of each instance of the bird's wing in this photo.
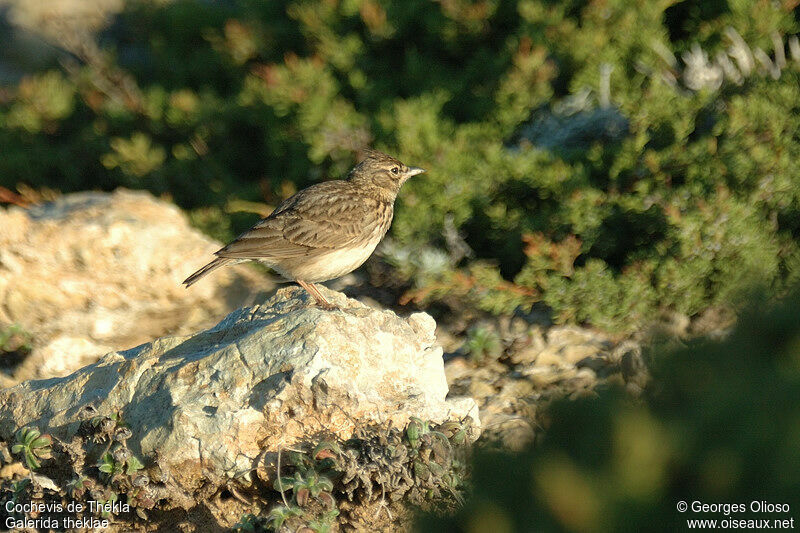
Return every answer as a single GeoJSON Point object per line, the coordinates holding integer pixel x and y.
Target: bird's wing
{"type": "Point", "coordinates": [330, 218]}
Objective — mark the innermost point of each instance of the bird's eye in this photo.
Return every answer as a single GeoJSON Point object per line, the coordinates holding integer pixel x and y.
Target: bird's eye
{"type": "Point", "coordinates": [395, 170]}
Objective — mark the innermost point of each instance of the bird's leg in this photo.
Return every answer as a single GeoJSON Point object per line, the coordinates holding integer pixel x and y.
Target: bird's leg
{"type": "Point", "coordinates": [313, 291]}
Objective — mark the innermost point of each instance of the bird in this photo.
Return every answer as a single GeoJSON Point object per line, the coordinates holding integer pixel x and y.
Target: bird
{"type": "Point", "coordinates": [324, 231]}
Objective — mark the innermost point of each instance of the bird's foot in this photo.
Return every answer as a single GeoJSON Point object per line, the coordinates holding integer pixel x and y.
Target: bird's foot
{"type": "Point", "coordinates": [322, 303]}
{"type": "Point", "coordinates": [327, 306]}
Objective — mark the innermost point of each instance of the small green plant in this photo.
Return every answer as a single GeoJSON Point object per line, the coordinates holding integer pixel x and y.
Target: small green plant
{"type": "Point", "coordinates": [279, 515]}
{"type": "Point", "coordinates": [483, 342]}
{"type": "Point", "coordinates": [310, 478]}
{"type": "Point", "coordinates": [430, 449]}
{"type": "Point", "coordinates": [118, 461]}
{"type": "Point", "coordinates": [18, 489]}
{"type": "Point", "coordinates": [15, 345]}
{"type": "Point", "coordinates": [102, 503]}
{"type": "Point", "coordinates": [14, 338]}
{"type": "Point", "coordinates": [109, 466]}
{"type": "Point", "coordinates": [132, 465]}
{"type": "Point", "coordinates": [33, 446]}
{"type": "Point", "coordinates": [120, 470]}
{"type": "Point", "coordinates": [96, 466]}
{"type": "Point", "coordinates": [324, 523]}
{"type": "Point", "coordinates": [378, 465]}
{"type": "Point", "coordinates": [77, 487]}
{"type": "Point", "coordinates": [247, 523]}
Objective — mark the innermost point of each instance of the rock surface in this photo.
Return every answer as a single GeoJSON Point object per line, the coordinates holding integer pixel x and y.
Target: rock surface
{"type": "Point", "coordinates": [93, 272]}
{"type": "Point", "coordinates": [76, 16]}
{"type": "Point", "coordinates": [202, 408]}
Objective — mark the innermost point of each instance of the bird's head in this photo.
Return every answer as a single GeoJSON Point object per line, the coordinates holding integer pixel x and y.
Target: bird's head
{"type": "Point", "coordinates": [383, 171]}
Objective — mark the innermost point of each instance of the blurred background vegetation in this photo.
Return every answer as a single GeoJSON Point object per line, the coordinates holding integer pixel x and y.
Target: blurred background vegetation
{"type": "Point", "coordinates": [719, 424]}
{"type": "Point", "coordinates": [611, 159]}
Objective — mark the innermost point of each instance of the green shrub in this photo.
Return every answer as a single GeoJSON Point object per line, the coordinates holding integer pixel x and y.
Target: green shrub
{"type": "Point", "coordinates": [571, 122]}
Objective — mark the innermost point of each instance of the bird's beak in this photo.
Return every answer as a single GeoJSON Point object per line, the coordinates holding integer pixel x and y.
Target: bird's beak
{"type": "Point", "coordinates": [413, 171]}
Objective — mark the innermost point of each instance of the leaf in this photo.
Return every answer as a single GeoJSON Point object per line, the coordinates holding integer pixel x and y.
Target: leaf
{"type": "Point", "coordinates": [421, 471]}
{"type": "Point", "coordinates": [283, 483]}
{"type": "Point", "coordinates": [325, 450]}
{"type": "Point", "coordinates": [297, 458]}
{"type": "Point", "coordinates": [327, 499]}
{"type": "Point", "coordinates": [413, 432]}
{"type": "Point", "coordinates": [449, 428]}
{"type": "Point", "coordinates": [27, 435]}
{"type": "Point", "coordinates": [31, 460]}
{"type": "Point", "coordinates": [30, 436]}
{"type": "Point", "coordinates": [41, 442]}
{"type": "Point", "coordinates": [43, 453]}
{"type": "Point", "coordinates": [133, 465]}
{"type": "Point", "coordinates": [436, 469]}
{"type": "Point", "coordinates": [302, 497]}
{"type": "Point", "coordinates": [460, 437]}
{"type": "Point", "coordinates": [278, 515]}
{"type": "Point", "coordinates": [325, 484]}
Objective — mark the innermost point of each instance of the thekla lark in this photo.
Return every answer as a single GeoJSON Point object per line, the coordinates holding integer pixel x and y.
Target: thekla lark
{"type": "Point", "coordinates": [324, 231]}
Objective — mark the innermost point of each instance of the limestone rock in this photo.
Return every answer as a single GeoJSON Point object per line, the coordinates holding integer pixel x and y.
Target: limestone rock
{"type": "Point", "coordinates": [105, 270]}
{"type": "Point", "coordinates": [203, 407]}
{"type": "Point", "coordinates": [573, 344]}
{"type": "Point", "coordinates": [61, 356]}
{"type": "Point", "coordinates": [77, 16]}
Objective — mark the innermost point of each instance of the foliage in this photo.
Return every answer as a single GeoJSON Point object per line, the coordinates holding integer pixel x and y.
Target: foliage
{"type": "Point", "coordinates": [14, 338]}
{"type": "Point", "coordinates": [15, 344]}
{"type": "Point", "coordinates": [112, 472]}
{"type": "Point", "coordinates": [309, 483]}
{"type": "Point", "coordinates": [359, 483]}
{"type": "Point", "coordinates": [32, 446]}
{"type": "Point", "coordinates": [578, 159]}
{"type": "Point", "coordinates": [719, 423]}
{"type": "Point", "coordinates": [120, 471]}
{"type": "Point", "coordinates": [482, 342]}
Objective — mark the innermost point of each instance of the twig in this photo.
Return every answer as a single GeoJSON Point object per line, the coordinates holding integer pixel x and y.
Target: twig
{"type": "Point", "coordinates": [383, 504]}
{"type": "Point", "coordinates": [280, 483]}
{"type": "Point", "coordinates": [238, 496]}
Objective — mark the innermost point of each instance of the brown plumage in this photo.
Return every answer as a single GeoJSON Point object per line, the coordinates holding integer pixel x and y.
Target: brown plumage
{"type": "Point", "coordinates": [324, 231]}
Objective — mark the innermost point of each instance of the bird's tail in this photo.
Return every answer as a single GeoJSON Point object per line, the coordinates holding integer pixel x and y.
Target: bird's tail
{"type": "Point", "coordinates": [213, 265]}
